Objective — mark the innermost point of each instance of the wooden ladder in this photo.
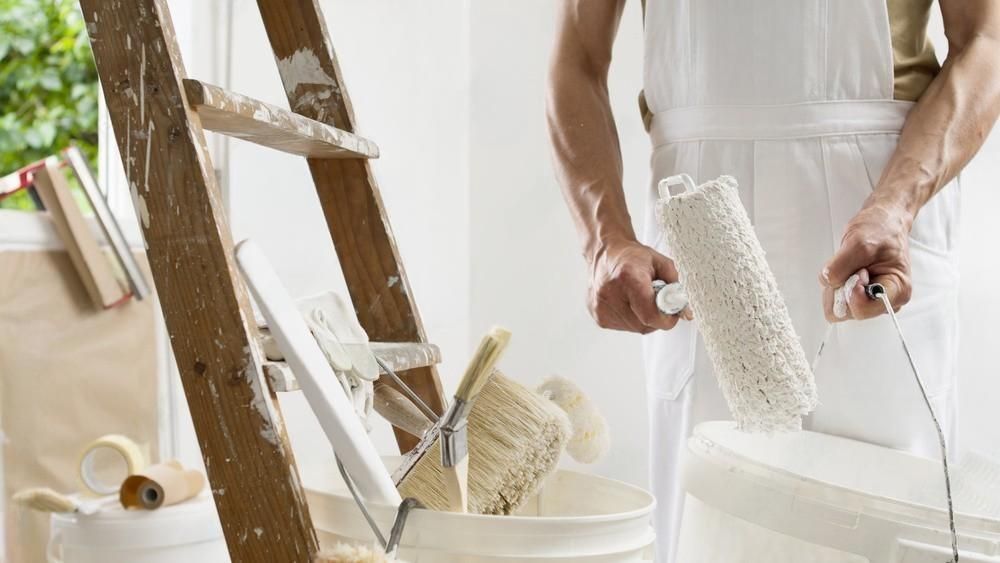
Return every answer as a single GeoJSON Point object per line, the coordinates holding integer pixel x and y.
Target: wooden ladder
{"type": "Point", "coordinates": [159, 115]}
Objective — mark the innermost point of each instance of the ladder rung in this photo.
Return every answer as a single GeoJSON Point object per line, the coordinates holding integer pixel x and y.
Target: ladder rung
{"type": "Point", "coordinates": [400, 356]}
{"type": "Point", "coordinates": [252, 120]}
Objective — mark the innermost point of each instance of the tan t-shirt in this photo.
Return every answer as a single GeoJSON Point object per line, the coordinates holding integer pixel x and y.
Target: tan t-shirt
{"type": "Point", "coordinates": [914, 62]}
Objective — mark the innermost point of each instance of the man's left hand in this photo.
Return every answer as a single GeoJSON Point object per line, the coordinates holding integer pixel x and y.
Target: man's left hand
{"type": "Point", "coordinates": [876, 246]}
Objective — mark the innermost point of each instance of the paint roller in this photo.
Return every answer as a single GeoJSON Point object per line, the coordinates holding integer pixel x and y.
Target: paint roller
{"type": "Point", "coordinates": [748, 333]}
{"type": "Point", "coordinates": [759, 362]}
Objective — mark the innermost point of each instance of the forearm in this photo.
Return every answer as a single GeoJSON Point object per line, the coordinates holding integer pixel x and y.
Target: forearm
{"type": "Point", "coordinates": [946, 128]}
{"type": "Point", "coordinates": [582, 129]}
{"type": "Point", "coordinates": [588, 159]}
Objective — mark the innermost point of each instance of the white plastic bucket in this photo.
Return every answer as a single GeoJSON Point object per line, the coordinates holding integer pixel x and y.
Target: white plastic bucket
{"type": "Point", "coordinates": [808, 497]}
{"type": "Point", "coordinates": [187, 532]}
{"type": "Point", "coordinates": [575, 517]}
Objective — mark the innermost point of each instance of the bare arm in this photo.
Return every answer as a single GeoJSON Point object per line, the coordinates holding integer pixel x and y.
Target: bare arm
{"type": "Point", "coordinates": [589, 166]}
{"type": "Point", "coordinates": [941, 134]}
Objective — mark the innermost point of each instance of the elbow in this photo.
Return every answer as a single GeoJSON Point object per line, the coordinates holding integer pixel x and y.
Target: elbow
{"type": "Point", "coordinates": [979, 53]}
{"type": "Point", "coordinates": [978, 43]}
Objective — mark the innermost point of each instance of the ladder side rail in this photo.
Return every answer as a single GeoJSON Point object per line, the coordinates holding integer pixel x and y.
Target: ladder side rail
{"type": "Point", "coordinates": [205, 305]}
{"type": "Point", "coordinates": [347, 190]}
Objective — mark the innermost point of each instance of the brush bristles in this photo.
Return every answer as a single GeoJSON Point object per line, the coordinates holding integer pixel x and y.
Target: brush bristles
{"type": "Point", "coordinates": [45, 500]}
{"type": "Point", "coordinates": [515, 441]}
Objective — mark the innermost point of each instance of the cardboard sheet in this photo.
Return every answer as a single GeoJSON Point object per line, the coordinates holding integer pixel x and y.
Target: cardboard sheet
{"type": "Point", "coordinates": [69, 373]}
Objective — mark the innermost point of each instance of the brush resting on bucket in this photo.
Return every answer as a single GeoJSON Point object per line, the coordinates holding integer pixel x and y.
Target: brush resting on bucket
{"type": "Point", "coordinates": [516, 438]}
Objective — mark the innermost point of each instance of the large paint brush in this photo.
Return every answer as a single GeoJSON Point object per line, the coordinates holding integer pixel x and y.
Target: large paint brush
{"type": "Point", "coordinates": [454, 426]}
{"type": "Point", "coordinates": [515, 439]}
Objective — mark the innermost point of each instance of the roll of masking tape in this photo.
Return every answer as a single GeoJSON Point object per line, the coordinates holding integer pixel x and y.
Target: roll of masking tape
{"type": "Point", "coordinates": [119, 446]}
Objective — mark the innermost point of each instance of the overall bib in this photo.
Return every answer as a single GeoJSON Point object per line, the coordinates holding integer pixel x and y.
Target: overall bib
{"type": "Point", "coordinates": [794, 98]}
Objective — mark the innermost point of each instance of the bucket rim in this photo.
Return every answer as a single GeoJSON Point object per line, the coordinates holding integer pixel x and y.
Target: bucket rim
{"type": "Point", "coordinates": [648, 507]}
{"type": "Point", "coordinates": [856, 500]}
{"type": "Point", "coordinates": [592, 518]}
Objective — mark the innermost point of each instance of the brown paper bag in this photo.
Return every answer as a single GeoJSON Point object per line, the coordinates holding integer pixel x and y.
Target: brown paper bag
{"type": "Point", "coordinates": [69, 373]}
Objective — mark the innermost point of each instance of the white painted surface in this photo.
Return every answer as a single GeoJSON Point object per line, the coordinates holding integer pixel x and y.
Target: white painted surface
{"type": "Point", "coordinates": [453, 95]}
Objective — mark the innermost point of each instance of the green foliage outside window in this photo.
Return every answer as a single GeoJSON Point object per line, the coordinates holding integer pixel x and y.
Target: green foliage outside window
{"type": "Point", "coordinates": [48, 85]}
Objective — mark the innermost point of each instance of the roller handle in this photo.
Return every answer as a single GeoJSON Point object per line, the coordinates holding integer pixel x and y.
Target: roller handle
{"type": "Point", "coordinates": [874, 290]}
{"type": "Point", "coordinates": [670, 298]}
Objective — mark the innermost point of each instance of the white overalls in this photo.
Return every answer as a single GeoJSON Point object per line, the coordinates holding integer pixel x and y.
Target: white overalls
{"type": "Point", "coordinates": [794, 99]}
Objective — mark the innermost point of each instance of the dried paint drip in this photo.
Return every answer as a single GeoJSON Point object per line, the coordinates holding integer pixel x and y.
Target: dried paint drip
{"type": "Point", "coordinates": [758, 359]}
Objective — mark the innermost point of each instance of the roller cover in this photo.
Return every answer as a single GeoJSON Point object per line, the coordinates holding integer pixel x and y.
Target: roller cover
{"type": "Point", "coordinates": [758, 359]}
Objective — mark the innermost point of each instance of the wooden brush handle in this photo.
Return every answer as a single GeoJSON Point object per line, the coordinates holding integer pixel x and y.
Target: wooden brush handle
{"type": "Point", "coordinates": [481, 364]}
{"type": "Point", "coordinates": [400, 411]}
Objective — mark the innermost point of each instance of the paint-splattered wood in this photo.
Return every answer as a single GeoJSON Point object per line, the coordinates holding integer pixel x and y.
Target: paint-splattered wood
{"type": "Point", "coordinates": [245, 118]}
{"type": "Point", "coordinates": [249, 462]}
{"type": "Point", "coordinates": [402, 356]}
{"type": "Point", "coordinates": [348, 193]}
{"type": "Point", "coordinates": [398, 356]}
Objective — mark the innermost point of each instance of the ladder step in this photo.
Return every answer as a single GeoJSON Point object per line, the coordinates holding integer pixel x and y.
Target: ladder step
{"type": "Point", "coordinates": [400, 356]}
{"type": "Point", "coordinates": [252, 120]}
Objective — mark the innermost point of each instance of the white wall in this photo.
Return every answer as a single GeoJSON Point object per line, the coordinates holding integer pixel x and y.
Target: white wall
{"type": "Point", "coordinates": [527, 269]}
{"type": "Point", "coordinates": [979, 376]}
{"type": "Point", "coordinates": [453, 94]}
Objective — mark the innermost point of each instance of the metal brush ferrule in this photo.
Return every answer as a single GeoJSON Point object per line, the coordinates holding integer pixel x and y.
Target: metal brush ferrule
{"type": "Point", "coordinates": [454, 433]}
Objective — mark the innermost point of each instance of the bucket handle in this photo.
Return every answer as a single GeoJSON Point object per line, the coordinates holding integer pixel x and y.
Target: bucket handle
{"type": "Point", "coordinates": [402, 512]}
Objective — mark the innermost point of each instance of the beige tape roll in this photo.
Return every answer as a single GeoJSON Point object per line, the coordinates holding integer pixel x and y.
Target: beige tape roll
{"type": "Point", "coordinates": [122, 446]}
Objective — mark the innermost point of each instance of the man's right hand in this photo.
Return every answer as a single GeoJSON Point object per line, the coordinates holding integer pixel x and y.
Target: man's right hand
{"type": "Point", "coordinates": [621, 287]}
{"type": "Point", "coordinates": [588, 164]}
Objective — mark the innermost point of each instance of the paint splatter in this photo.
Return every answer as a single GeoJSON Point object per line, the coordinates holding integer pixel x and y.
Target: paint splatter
{"type": "Point", "coordinates": [303, 67]}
